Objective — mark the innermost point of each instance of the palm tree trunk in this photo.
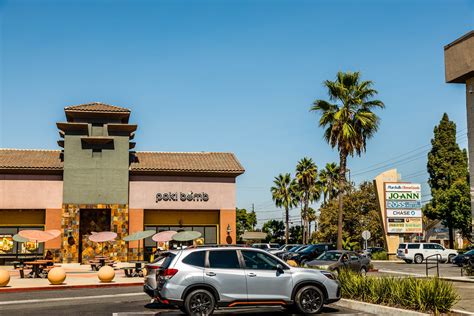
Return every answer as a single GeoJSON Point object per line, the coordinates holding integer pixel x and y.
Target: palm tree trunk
{"type": "Point", "coordinates": [302, 223]}
{"type": "Point", "coordinates": [306, 205]}
{"type": "Point", "coordinates": [451, 236]}
{"type": "Point", "coordinates": [287, 220]}
{"type": "Point", "coordinates": [342, 181]}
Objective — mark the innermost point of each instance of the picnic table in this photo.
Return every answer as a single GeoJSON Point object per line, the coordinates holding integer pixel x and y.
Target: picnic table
{"type": "Point", "coordinates": [136, 271]}
{"type": "Point", "coordinates": [38, 268]}
{"type": "Point", "coordinates": [100, 261]}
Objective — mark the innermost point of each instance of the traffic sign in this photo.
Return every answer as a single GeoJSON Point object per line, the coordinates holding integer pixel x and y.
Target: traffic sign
{"type": "Point", "coordinates": [366, 235]}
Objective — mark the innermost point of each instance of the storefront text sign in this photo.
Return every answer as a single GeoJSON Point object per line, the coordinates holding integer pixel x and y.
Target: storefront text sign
{"type": "Point", "coordinates": [403, 208]}
{"type": "Point", "coordinates": [182, 196]}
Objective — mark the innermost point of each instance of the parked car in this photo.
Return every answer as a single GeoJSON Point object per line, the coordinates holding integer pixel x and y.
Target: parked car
{"type": "Point", "coordinates": [288, 253]}
{"type": "Point", "coordinates": [371, 250]}
{"type": "Point", "coordinates": [310, 253]}
{"type": "Point", "coordinates": [334, 260]}
{"type": "Point", "coordinates": [266, 246]}
{"type": "Point", "coordinates": [462, 259]}
{"type": "Point", "coordinates": [418, 252]}
{"type": "Point", "coordinates": [283, 248]}
{"type": "Point", "coordinates": [197, 280]}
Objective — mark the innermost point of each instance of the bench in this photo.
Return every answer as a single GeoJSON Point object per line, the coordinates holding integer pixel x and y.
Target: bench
{"type": "Point", "coordinates": [128, 271]}
{"type": "Point", "coordinates": [22, 268]}
{"type": "Point", "coordinates": [95, 266]}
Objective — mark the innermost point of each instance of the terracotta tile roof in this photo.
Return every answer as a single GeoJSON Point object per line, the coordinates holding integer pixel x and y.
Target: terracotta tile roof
{"type": "Point", "coordinates": [30, 159]}
{"type": "Point", "coordinates": [145, 162]}
{"type": "Point", "coordinates": [196, 162]}
{"type": "Point", "coordinates": [95, 107]}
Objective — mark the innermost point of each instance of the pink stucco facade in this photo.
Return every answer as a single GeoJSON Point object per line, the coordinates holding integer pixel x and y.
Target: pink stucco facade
{"type": "Point", "coordinates": [40, 192]}
{"type": "Point", "coordinates": [220, 192]}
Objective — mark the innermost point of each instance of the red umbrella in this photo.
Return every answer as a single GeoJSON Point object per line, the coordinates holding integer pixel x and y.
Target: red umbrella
{"type": "Point", "coordinates": [102, 237]}
{"type": "Point", "coordinates": [164, 236]}
{"type": "Point", "coordinates": [39, 235]}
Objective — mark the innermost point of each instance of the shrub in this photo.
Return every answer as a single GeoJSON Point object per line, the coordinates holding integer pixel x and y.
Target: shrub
{"type": "Point", "coordinates": [382, 255]}
{"type": "Point", "coordinates": [425, 295]}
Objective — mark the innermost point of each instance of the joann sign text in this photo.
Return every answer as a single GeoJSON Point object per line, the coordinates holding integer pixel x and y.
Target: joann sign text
{"type": "Point", "coordinates": [182, 196]}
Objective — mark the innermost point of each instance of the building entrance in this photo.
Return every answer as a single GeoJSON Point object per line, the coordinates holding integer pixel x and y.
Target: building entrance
{"type": "Point", "coordinates": [92, 220]}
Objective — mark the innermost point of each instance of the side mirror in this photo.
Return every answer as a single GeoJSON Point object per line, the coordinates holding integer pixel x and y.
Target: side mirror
{"type": "Point", "coordinates": [279, 268]}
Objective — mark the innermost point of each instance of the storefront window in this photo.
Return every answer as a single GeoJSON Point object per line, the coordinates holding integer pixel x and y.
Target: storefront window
{"type": "Point", "coordinates": [11, 248]}
{"type": "Point", "coordinates": [7, 245]}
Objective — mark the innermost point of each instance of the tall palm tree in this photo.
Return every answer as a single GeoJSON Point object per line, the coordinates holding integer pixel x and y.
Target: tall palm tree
{"type": "Point", "coordinates": [348, 121]}
{"type": "Point", "coordinates": [283, 196]}
{"type": "Point", "coordinates": [328, 178]}
{"type": "Point", "coordinates": [311, 216]}
{"type": "Point", "coordinates": [307, 179]}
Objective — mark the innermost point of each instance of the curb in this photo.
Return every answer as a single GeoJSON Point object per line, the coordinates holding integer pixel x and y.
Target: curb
{"type": "Point", "coordinates": [375, 309]}
{"type": "Point", "coordinates": [386, 310]}
{"type": "Point", "coordinates": [67, 287]}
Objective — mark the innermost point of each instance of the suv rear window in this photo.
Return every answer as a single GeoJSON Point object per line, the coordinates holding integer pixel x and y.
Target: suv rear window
{"type": "Point", "coordinates": [401, 246]}
{"type": "Point", "coordinates": [195, 258]}
{"type": "Point", "coordinates": [164, 260]}
{"type": "Point", "coordinates": [224, 259]}
{"type": "Point", "coordinates": [413, 246]}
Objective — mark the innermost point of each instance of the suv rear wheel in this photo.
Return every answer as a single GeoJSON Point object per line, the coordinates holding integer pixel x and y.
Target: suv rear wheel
{"type": "Point", "coordinates": [309, 299]}
{"type": "Point", "coordinates": [418, 259]}
{"type": "Point", "coordinates": [199, 302]}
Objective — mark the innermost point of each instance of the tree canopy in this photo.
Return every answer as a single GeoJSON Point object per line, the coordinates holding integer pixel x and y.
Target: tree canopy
{"type": "Point", "coordinates": [449, 180]}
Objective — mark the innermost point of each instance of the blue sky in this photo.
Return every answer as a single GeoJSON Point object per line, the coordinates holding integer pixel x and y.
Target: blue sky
{"type": "Point", "coordinates": [235, 76]}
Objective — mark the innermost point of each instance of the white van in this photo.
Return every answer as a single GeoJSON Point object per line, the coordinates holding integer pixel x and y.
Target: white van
{"type": "Point", "coordinates": [418, 252]}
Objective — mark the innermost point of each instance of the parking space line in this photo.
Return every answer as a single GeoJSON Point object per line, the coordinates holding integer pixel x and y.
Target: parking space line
{"type": "Point", "coordinates": [59, 299]}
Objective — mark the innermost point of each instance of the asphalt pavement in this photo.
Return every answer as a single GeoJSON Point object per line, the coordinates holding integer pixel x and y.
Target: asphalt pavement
{"type": "Point", "coordinates": [119, 301]}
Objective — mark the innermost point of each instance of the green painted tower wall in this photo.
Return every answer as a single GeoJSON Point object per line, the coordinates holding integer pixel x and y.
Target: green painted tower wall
{"type": "Point", "coordinates": [96, 176]}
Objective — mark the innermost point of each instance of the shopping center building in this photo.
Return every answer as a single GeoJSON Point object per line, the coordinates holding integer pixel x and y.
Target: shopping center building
{"type": "Point", "coordinates": [97, 182]}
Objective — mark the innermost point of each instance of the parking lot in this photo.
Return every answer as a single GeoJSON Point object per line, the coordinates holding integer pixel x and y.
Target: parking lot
{"type": "Point", "coordinates": [445, 269]}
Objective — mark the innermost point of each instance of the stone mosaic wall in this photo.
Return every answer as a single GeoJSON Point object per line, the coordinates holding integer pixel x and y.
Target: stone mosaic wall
{"type": "Point", "coordinates": [116, 250]}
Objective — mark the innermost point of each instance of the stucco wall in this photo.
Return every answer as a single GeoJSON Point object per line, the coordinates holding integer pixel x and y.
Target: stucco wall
{"type": "Point", "coordinates": [30, 194]}
{"type": "Point", "coordinates": [221, 193]}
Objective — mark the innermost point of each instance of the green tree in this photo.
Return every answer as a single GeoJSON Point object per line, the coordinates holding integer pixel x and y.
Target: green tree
{"type": "Point", "coordinates": [328, 179]}
{"type": "Point", "coordinates": [349, 121]}
{"type": "Point", "coordinates": [244, 221]}
{"type": "Point", "coordinates": [449, 180]}
{"type": "Point", "coordinates": [362, 213]}
{"type": "Point", "coordinates": [296, 234]}
{"type": "Point", "coordinates": [275, 230]}
{"type": "Point", "coordinates": [283, 197]}
{"type": "Point", "coordinates": [308, 189]}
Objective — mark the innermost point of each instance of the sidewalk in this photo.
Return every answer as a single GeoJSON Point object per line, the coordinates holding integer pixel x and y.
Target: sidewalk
{"type": "Point", "coordinates": [77, 276]}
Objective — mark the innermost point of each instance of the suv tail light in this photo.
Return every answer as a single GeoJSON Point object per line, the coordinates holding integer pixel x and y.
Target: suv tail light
{"type": "Point", "coordinates": [406, 251]}
{"type": "Point", "coordinates": [168, 273]}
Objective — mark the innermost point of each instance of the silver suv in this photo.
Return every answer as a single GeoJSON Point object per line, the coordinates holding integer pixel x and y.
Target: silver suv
{"type": "Point", "coordinates": [199, 280]}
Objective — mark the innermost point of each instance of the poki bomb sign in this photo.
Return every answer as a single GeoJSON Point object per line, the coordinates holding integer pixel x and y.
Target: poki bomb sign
{"type": "Point", "coordinates": [403, 207]}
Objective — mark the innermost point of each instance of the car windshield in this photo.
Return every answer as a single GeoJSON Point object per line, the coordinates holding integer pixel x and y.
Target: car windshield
{"type": "Point", "coordinates": [293, 249]}
{"type": "Point", "coordinates": [308, 249]}
{"type": "Point", "coordinates": [330, 256]}
{"type": "Point", "coordinates": [470, 252]}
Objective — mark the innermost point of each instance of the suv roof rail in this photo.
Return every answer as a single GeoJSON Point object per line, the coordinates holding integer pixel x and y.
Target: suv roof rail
{"type": "Point", "coordinates": [216, 246]}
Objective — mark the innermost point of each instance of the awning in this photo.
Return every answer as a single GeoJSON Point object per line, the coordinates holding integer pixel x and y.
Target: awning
{"type": "Point", "coordinates": [254, 235]}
